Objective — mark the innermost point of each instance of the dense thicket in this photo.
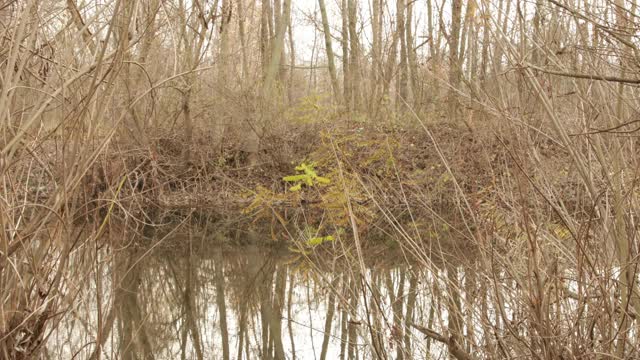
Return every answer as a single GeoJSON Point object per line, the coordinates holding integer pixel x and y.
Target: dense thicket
{"type": "Point", "coordinates": [520, 118]}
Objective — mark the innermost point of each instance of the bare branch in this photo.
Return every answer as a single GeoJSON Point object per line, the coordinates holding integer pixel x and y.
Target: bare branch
{"type": "Point", "coordinates": [454, 348]}
{"type": "Point", "coordinates": [585, 76]}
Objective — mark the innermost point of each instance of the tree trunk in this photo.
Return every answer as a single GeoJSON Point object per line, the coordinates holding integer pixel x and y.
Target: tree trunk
{"type": "Point", "coordinates": [484, 63]}
{"type": "Point", "coordinates": [265, 35]}
{"type": "Point", "coordinates": [329, 49]}
{"type": "Point", "coordinates": [221, 303]}
{"type": "Point", "coordinates": [454, 61]}
{"type": "Point", "coordinates": [280, 17]}
{"type": "Point", "coordinates": [389, 70]}
{"type": "Point", "coordinates": [454, 308]}
{"type": "Point", "coordinates": [252, 141]}
{"type": "Point", "coordinates": [331, 309]}
{"type": "Point", "coordinates": [277, 48]}
{"type": "Point", "coordinates": [412, 57]}
{"type": "Point", "coordinates": [346, 70]}
{"type": "Point", "coordinates": [355, 53]}
{"type": "Point", "coordinates": [403, 76]}
{"type": "Point", "coordinates": [243, 40]}
{"type": "Point", "coordinates": [87, 36]}
{"type": "Point", "coordinates": [376, 53]}
{"type": "Point", "coordinates": [292, 63]}
{"type": "Point", "coordinates": [225, 53]}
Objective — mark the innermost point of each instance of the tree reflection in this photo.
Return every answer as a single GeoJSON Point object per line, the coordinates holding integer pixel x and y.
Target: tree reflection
{"type": "Point", "coordinates": [260, 303]}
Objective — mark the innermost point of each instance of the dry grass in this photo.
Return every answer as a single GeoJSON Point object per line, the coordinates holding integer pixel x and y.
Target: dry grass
{"type": "Point", "coordinates": [535, 188]}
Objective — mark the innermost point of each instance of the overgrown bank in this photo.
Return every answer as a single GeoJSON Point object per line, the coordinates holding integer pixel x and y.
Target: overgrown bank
{"type": "Point", "coordinates": [506, 128]}
{"type": "Point", "coordinates": [442, 178]}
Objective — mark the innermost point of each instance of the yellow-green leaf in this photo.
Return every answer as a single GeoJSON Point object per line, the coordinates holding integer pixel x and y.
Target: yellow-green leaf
{"type": "Point", "coordinates": [294, 178]}
{"type": "Point", "coordinates": [314, 241]}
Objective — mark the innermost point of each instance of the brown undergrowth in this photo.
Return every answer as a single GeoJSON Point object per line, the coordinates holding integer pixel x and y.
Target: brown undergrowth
{"type": "Point", "coordinates": [428, 183]}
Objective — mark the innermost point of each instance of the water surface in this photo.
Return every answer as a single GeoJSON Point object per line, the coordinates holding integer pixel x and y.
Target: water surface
{"type": "Point", "coordinates": [253, 303]}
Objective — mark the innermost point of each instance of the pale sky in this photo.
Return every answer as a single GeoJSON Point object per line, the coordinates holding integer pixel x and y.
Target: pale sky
{"type": "Point", "coordinates": [304, 31]}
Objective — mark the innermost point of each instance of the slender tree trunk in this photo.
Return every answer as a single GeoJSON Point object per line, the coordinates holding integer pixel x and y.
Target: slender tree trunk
{"type": "Point", "coordinates": [412, 296]}
{"type": "Point", "coordinates": [430, 34]}
{"type": "Point", "coordinates": [265, 34]}
{"type": "Point", "coordinates": [221, 303]}
{"type": "Point", "coordinates": [470, 307]}
{"type": "Point", "coordinates": [355, 53]}
{"type": "Point", "coordinates": [346, 69]}
{"type": "Point", "coordinates": [434, 89]}
{"type": "Point", "coordinates": [134, 338]}
{"type": "Point", "coordinates": [376, 53]}
{"type": "Point", "coordinates": [536, 52]}
{"type": "Point", "coordinates": [497, 59]}
{"type": "Point", "coordinates": [292, 339]}
{"type": "Point", "coordinates": [87, 36]}
{"type": "Point", "coordinates": [329, 50]}
{"type": "Point", "coordinates": [439, 35]}
{"type": "Point", "coordinates": [454, 308]}
{"type": "Point", "coordinates": [243, 40]}
{"type": "Point", "coordinates": [344, 319]}
{"type": "Point", "coordinates": [454, 60]}
{"type": "Point", "coordinates": [276, 315]}
{"type": "Point", "coordinates": [352, 331]}
{"type": "Point", "coordinates": [188, 123]}
{"type": "Point", "coordinates": [292, 64]}
{"type": "Point", "coordinates": [277, 48]}
{"type": "Point", "coordinates": [280, 17]}
{"type": "Point", "coordinates": [402, 88]}
{"type": "Point", "coordinates": [148, 34]}
{"type": "Point", "coordinates": [397, 301]}
{"type": "Point", "coordinates": [484, 63]}
{"type": "Point", "coordinates": [124, 37]}
{"type": "Point", "coordinates": [375, 315]}
{"type": "Point", "coordinates": [473, 51]}
{"type": "Point", "coordinates": [389, 70]}
{"type": "Point", "coordinates": [252, 140]}
{"type": "Point", "coordinates": [225, 53]}
{"type": "Point", "coordinates": [466, 25]}
{"type": "Point", "coordinates": [314, 61]}
{"type": "Point", "coordinates": [242, 327]}
{"type": "Point", "coordinates": [190, 308]}
{"type": "Point", "coordinates": [331, 308]}
{"type": "Point", "coordinates": [621, 24]}
{"type": "Point", "coordinates": [624, 247]}
{"type": "Point", "coordinates": [412, 57]}
{"type": "Point", "coordinates": [264, 276]}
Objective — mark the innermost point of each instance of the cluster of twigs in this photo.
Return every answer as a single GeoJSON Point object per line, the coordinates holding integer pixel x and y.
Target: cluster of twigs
{"type": "Point", "coordinates": [552, 225]}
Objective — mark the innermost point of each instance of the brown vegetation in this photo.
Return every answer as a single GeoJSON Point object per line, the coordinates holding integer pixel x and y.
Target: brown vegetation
{"type": "Point", "coordinates": [505, 127]}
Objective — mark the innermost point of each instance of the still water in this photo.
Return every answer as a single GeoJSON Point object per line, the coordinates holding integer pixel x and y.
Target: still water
{"type": "Point", "coordinates": [253, 303]}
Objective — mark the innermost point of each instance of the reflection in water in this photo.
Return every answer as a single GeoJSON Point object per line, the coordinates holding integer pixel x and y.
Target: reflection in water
{"type": "Point", "coordinates": [258, 304]}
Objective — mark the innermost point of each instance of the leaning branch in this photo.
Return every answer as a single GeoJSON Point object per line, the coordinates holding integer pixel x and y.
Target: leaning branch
{"type": "Point", "coordinates": [454, 348]}
{"type": "Point", "coordinates": [585, 76]}
{"type": "Point", "coordinates": [87, 36]}
{"type": "Point", "coordinates": [604, 28]}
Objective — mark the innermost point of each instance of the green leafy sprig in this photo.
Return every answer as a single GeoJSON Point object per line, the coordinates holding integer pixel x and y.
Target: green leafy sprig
{"type": "Point", "coordinates": [308, 177]}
